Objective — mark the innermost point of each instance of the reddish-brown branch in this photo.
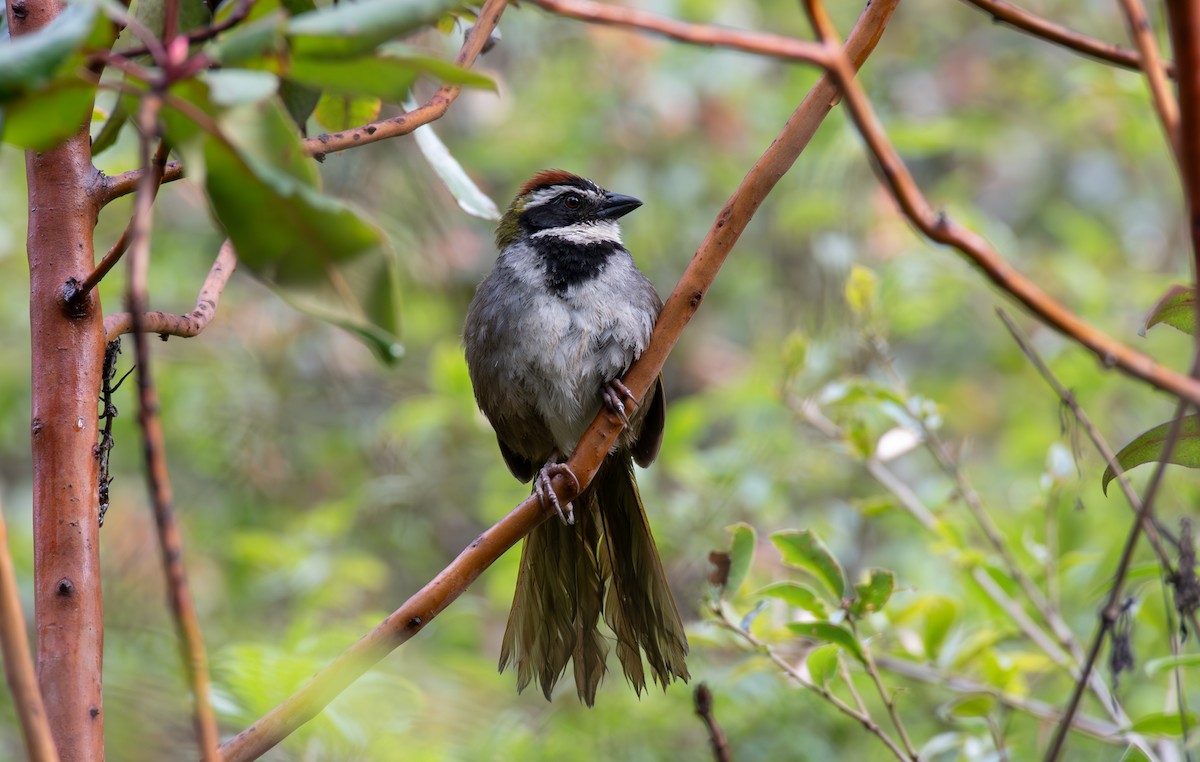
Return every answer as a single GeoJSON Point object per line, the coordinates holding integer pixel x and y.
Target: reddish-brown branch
{"type": "Point", "coordinates": [1031, 23]}
{"type": "Point", "coordinates": [158, 479]}
{"type": "Point", "coordinates": [595, 443]}
{"type": "Point", "coordinates": [940, 228]}
{"type": "Point", "coordinates": [1156, 78]}
{"type": "Point", "coordinates": [1184, 19]}
{"type": "Point", "coordinates": [432, 110]}
{"type": "Point", "coordinates": [191, 323]}
{"type": "Point", "coordinates": [237, 16]}
{"type": "Point", "coordinates": [18, 664]}
{"type": "Point", "coordinates": [73, 292]}
{"type": "Point", "coordinates": [774, 45]}
{"type": "Point", "coordinates": [67, 355]}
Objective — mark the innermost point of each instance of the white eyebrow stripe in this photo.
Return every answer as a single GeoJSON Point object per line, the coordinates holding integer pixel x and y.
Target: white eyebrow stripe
{"type": "Point", "coordinates": [584, 233]}
{"type": "Point", "coordinates": [544, 195]}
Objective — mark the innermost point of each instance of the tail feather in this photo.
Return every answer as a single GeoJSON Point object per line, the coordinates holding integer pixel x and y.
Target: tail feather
{"type": "Point", "coordinates": [561, 594]}
{"type": "Point", "coordinates": [639, 607]}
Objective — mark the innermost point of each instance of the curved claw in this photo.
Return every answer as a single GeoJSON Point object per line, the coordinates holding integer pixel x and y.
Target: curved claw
{"type": "Point", "coordinates": [611, 397]}
{"type": "Point", "coordinates": [545, 490]}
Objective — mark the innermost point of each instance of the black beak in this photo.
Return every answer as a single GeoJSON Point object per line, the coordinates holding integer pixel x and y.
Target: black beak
{"type": "Point", "coordinates": [615, 205]}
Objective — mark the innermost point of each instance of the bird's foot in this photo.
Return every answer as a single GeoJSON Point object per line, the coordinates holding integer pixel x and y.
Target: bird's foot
{"type": "Point", "coordinates": [543, 488]}
{"type": "Point", "coordinates": [611, 396]}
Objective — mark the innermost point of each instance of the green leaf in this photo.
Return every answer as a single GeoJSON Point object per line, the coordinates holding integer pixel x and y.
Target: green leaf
{"type": "Point", "coordinates": [300, 102]}
{"type": "Point", "coordinates": [32, 60]}
{"type": "Point", "coordinates": [822, 663]}
{"type": "Point", "coordinates": [351, 29]}
{"type": "Point", "coordinates": [862, 290]}
{"type": "Point", "coordinates": [741, 556]}
{"type": "Point", "coordinates": [340, 112]}
{"type": "Point", "coordinates": [940, 613]}
{"type": "Point", "coordinates": [971, 706]}
{"type": "Point", "coordinates": [111, 130]}
{"type": "Point", "coordinates": [315, 251]}
{"type": "Point", "coordinates": [874, 593]}
{"type": "Point", "coordinates": [470, 198]}
{"type": "Point", "coordinates": [1177, 309]}
{"type": "Point", "coordinates": [387, 77]}
{"type": "Point", "coordinates": [40, 120]}
{"type": "Point", "coordinates": [799, 595]}
{"type": "Point", "coordinates": [832, 633]}
{"type": "Point", "coordinates": [1149, 447]}
{"type": "Point", "coordinates": [803, 550]}
{"type": "Point", "coordinates": [1163, 723]}
{"type": "Point", "coordinates": [1165, 663]}
{"type": "Point", "coordinates": [249, 41]}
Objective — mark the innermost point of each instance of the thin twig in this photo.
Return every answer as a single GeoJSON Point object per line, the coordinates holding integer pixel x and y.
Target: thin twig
{"type": "Point", "coordinates": [860, 714]}
{"type": "Point", "coordinates": [1031, 23]}
{"type": "Point", "coordinates": [158, 480]}
{"type": "Point", "coordinates": [761, 43]}
{"type": "Point", "coordinates": [18, 663]}
{"type": "Point", "coordinates": [433, 109]}
{"type": "Point", "coordinates": [1160, 89]}
{"type": "Point", "coordinates": [889, 700]}
{"type": "Point", "coordinates": [1112, 608]}
{"type": "Point", "coordinates": [702, 699]}
{"type": "Point", "coordinates": [595, 443]}
{"type": "Point", "coordinates": [189, 324]}
{"type": "Point", "coordinates": [1096, 728]}
{"type": "Point", "coordinates": [236, 16]}
{"type": "Point", "coordinates": [1155, 532]}
{"type": "Point", "coordinates": [940, 228]}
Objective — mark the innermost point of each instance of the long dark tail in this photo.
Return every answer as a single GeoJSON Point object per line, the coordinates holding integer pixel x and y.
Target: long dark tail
{"type": "Point", "coordinates": [606, 563]}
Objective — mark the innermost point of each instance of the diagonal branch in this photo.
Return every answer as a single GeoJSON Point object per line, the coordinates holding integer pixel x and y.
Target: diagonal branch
{"type": "Point", "coordinates": [593, 447]}
{"type": "Point", "coordinates": [937, 226]}
{"type": "Point", "coordinates": [191, 323]}
{"type": "Point", "coordinates": [1033, 24]}
{"type": "Point", "coordinates": [18, 664]}
{"type": "Point", "coordinates": [158, 479]}
{"type": "Point", "coordinates": [774, 45]}
{"type": "Point", "coordinates": [1156, 78]}
{"type": "Point", "coordinates": [432, 110]}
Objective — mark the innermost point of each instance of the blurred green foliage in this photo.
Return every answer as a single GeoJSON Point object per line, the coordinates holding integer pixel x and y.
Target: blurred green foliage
{"type": "Point", "coordinates": [317, 489]}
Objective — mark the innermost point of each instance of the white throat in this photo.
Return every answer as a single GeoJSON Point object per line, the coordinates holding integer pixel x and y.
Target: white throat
{"type": "Point", "coordinates": [584, 233]}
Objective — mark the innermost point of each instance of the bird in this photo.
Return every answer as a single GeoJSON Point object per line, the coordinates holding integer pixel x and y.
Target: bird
{"type": "Point", "coordinates": [548, 335]}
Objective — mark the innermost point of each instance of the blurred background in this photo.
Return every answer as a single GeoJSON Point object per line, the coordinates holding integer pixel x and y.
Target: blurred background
{"type": "Point", "coordinates": [318, 489]}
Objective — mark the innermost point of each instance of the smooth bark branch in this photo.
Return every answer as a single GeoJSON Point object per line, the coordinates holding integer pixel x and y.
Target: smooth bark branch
{"type": "Point", "coordinates": [1031, 23]}
{"type": "Point", "coordinates": [432, 599]}
{"type": "Point", "coordinates": [940, 228]}
{"type": "Point", "coordinates": [1160, 89]}
{"type": "Point", "coordinates": [67, 349]}
{"type": "Point", "coordinates": [158, 479]}
{"type": "Point", "coordinates": [432, 110]}
{"type": "Point", "coordinates": [18, 664]}
{"type": "Point", "coordinates": [189, 324]}
{"type": "Point", "coordinates": [762, 43]}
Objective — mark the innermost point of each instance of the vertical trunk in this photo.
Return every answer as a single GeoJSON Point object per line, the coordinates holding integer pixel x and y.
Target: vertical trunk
{"type": "Point", "coordinates": [67, 350]}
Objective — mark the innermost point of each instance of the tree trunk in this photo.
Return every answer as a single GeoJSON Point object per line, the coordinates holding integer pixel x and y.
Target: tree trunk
{"type": "Point", "coordinates": [67, 348]}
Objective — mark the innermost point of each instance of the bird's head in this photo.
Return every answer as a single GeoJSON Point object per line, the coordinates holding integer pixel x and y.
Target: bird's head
{"type": "Point", "coordinates": [558, 204]}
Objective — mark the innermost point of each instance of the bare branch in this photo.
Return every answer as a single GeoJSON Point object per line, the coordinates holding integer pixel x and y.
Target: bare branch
{"type": "Point", "coordinates": [18, 664]}
{"type": "Point", "coordinates": [1031, 23]}
{"type": "Point", "coordinates": [774, 45]}
{"type": "Point", "coordinates": [191, 323]}
{"type": "Point", "coordinates": [1098, 729]}
{"type": "Point", "coordinates": [158, 479]}
{"type": "Point", "coordinates": [702, 699]}
{"type": "Point", "coordinates": [593, 447]}
{"type": "Point", "coordinates": [1156, 78]}
{"type": "Point", "coordinates": [940, 228]}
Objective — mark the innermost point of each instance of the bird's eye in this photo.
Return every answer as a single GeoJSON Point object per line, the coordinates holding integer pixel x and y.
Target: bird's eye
{"type": "Point", "coordinates": [572, 202]}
